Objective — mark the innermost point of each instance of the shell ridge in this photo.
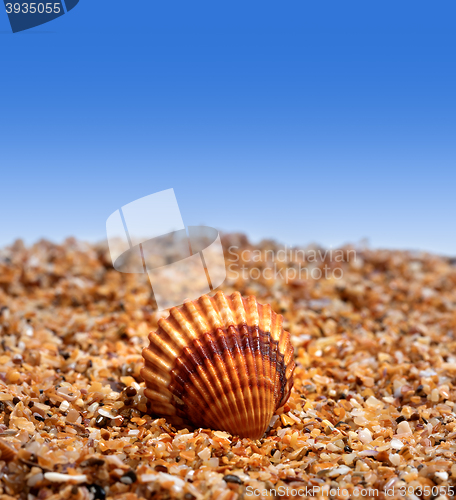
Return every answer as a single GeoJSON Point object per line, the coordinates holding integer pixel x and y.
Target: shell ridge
{"type": "Point", "coordinates": [165, 343]}
{"type": "Point", "coordinates": [186, 382]}
{"type": "Point", "coordinates": [243, 375]}
{"type": "Point", "coordinates": [246, 333]}
{"type": "Point", "coordinates": [227, 311]}
{"type": "Point", "coordinates": [280, 364]}
{"type": "Point", "coordinates": [201, 401]}
{"type": "Point", "coordinates": [280, 380]}
{"type": "Point", "coordinates": [218, 337]}
{"type": "Point", "coordinates": [265, 329]}
{"type": "Point", "coordinates": [258, 351]}
{"type": "Point", "coordinates": [227, 345]}
{"type": "Point", "coordinates": [192, 312]}
{"type": "Point", "coordinates": [274, 357]}
{"type": "Point", "coordinates": [161, 363]}
{"type": "Point", "coordinates": [259, 362]}
{"type": "Point", "coordinates": [217, 400]}
{"type": "Point", "coordinates": [197, 409]}
{"type": "Point", "coordinates": [185, 323]}
{"type": "Point", "coordinates": [290, 366]}
{"type": "Point", "coordinates": [250, 390]}
{"type": "Point", "coordinates": [200, 352]}
{"type": "Point", "coordinates": [286, 363]}
{"type": "Point", "coordinates": [182, 385]}
{"type": "Point", "coordinates": [195, 354]}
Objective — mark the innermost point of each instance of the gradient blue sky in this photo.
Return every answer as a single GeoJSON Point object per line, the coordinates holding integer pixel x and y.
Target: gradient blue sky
{"type": "Point", "coordinates": [326, 121]}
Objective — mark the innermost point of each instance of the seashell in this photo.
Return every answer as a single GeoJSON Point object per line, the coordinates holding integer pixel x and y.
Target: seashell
{"type": "Point", "coordinates": [220, 362]}
{"type": "Point", "coordinates": [7, 451]}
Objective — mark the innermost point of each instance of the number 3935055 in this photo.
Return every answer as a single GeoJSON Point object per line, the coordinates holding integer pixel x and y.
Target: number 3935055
{"type": "Point", "coordinates": [33, 8]}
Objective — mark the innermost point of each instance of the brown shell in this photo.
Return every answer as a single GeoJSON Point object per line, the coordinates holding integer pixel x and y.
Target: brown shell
{"type": "Point", "coordinates": [7, 451]}
{"type": "Point", "coordinates": [220, 362]}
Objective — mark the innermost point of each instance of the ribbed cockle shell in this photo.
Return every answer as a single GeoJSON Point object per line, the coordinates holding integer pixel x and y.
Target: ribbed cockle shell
{"type": "Point", "coordinates": [220, 362]}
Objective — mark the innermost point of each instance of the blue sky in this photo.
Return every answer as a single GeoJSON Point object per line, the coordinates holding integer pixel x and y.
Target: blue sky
{"type": "Point", "coordinates": [305, 121]}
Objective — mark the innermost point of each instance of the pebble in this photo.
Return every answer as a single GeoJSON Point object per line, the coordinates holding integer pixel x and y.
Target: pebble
{"type": "Point", "coordinates": [97, 491]}
{"type": "Point", "coordinates": [365, 436]}
{"type": "Point", "coordinates": [129, 477]}
{"type": "Point", "coordinates": [232, 478]}
{"type": "Point", "coordinates": [404, 429]}
{"type": "Point", "coordinates": [57, 477]}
